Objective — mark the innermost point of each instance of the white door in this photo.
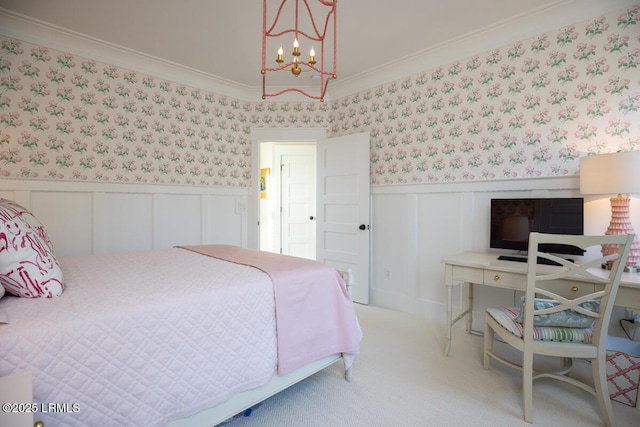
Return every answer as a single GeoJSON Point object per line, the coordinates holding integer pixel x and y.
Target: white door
{"type": "Point", "coordinates": [298, 200]}
{"type": "Point", "coordinates": [343, 207]}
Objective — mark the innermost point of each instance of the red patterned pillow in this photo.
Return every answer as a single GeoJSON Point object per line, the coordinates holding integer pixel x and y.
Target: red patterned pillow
{"type": "Point", "coordinates": [28, 267]}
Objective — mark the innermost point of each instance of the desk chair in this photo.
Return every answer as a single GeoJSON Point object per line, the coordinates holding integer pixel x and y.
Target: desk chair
{"type": "Point", "coordinates": [554, 325]}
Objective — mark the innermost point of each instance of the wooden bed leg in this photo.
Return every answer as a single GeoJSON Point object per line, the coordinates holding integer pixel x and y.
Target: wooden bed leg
{"type": "Point", "coordinates": [348, 374]}
{"type": "Point", "coordinates": [347, 276]}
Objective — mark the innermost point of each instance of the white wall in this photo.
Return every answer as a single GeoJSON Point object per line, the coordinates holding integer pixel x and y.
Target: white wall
{"type": "Point", "coordinates": [89, 218]}
{"type": "Point", "coordinates": [414, 227]}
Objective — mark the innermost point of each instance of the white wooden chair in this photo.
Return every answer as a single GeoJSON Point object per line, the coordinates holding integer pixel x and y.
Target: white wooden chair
{"type": "Point", "coordinates": [566, 327]}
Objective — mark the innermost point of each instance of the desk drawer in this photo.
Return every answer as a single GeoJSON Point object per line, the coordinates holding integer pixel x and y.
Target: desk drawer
{"type": "Point", "coordinates": [505, 280]}
{"type": "Point", "coordinates": [569, 289]}
{"type": "Point", "coordinates": [466, 274]}
{"type": "Point", "coordinates": [565, 288]}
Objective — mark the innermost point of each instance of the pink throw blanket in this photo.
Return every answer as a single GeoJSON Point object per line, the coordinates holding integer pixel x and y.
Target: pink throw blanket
{"type": "Point", "coordinates": [314, 313]}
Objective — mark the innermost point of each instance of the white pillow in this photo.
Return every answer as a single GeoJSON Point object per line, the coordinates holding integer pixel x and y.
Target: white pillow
{"type": "Point", "coordinates": [28, 267]}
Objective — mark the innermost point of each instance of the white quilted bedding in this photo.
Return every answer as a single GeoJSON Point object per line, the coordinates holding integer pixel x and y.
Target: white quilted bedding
{"type": "Point", "coordinates": [142, 338]}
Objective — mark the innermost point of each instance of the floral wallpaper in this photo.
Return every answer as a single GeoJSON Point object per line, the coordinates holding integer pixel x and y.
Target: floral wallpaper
{"type": "Point", "coordinates": [530, 109]}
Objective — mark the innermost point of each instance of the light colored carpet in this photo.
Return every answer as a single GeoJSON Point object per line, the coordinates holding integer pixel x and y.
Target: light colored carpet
{"type": "Point", "coordinates": [401, 378]}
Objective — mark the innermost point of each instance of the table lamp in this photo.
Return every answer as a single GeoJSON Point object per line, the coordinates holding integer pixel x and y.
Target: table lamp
{"type": "Point", "coordinates": [615, 173]}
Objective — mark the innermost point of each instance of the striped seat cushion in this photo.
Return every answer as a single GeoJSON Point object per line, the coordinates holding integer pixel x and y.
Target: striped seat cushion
{"type": "Point", "coordinates": [506, 316]}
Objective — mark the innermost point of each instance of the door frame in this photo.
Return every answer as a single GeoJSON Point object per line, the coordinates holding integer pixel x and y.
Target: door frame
{"type": "Point", "coordinates": [275, 135]}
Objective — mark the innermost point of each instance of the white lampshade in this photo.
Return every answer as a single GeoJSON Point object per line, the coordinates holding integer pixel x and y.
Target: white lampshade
{"type": "Point", "coordinates": [615, 173]}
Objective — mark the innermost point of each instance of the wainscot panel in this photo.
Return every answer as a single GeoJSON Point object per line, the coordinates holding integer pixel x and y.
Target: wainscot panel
{"type": "Point", "coordinates": [94, 218]}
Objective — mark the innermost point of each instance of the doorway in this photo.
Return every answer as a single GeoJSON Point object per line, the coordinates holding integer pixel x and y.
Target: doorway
{"type": "Point", "coordinates": [342, 199]}
{"type": "Point", "coordinates": [288, 199]}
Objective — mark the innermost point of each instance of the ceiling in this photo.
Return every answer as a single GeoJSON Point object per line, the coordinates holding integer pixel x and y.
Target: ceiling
{"type": "Point", "coordinates": [222, 38]}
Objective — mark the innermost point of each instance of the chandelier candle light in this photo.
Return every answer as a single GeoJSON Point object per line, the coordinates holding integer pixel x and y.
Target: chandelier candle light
{"type": "Point", "coordinates": [615, 173]}
{"type": "Point", "coordinates": [303, 14]}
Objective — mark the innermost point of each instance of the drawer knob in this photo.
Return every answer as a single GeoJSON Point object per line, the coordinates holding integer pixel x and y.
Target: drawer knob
{"type": "Point", "coordinates": [496, 277]}
{"type": "Point", "coordinates": [574, 288]}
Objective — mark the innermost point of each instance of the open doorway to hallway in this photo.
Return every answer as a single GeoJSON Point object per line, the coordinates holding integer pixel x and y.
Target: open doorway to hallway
{"type": "Point", "coordinates": [342, 199]}
{"type": "Point", "coordinates": [288, 198]}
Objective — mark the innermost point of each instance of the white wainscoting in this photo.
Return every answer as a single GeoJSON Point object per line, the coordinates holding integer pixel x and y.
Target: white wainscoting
{"type": "Point", "coordinates": [97, 218]}
{"type": "Point", "coordinates": [415, 226]}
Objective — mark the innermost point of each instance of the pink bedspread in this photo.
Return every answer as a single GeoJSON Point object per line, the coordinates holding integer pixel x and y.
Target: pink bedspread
{"type": "Point", "coordinates": [314, 313]}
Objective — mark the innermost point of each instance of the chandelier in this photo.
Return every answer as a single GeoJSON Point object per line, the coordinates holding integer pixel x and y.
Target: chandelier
{"type": "Point", "coordinates": [303, 32]}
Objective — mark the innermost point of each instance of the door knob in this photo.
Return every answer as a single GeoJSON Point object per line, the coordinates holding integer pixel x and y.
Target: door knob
{"type": "Point", "coordinates": [362, 227]}
{"type": "Point", "coordinates": [312, 217]}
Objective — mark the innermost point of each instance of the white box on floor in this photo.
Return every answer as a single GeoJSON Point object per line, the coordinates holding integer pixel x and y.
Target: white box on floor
{"type": "Point", "coordinates": [623, 370]}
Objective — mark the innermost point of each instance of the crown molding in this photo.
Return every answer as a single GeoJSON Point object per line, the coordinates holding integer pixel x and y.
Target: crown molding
{"type": "Point", "coordinates": [42, 33]}
{"type": "Point", "coordinates": [515, 29]}
{"type": "Point", "coordinates": [45, 34]}
{"type": "Point", "coordinates": [558, 15]}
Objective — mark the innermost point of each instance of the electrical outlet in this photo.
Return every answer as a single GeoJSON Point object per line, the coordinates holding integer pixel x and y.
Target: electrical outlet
{"type": "Point", "coordinates": [387, 273]}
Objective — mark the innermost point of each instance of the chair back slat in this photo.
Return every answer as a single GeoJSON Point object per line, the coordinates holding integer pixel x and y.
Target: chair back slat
{"type": "Point", "coordinates": [568, 303]}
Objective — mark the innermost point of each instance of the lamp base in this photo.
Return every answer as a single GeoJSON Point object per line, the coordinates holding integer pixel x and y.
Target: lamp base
{"type": "Point", "coordinates": [621, 224]}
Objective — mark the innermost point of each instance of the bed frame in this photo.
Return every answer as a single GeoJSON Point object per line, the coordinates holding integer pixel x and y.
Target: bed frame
{"type": "Point", "coordinates": [237, 403]}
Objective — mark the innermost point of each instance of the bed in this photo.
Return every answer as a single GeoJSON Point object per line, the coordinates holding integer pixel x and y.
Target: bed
{"type": "Point", "coordinates": [177, 336]}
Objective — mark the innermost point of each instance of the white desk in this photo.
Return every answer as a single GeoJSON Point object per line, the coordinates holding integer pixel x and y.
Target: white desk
{"type": "Point", "coordinates": [484, 268]}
